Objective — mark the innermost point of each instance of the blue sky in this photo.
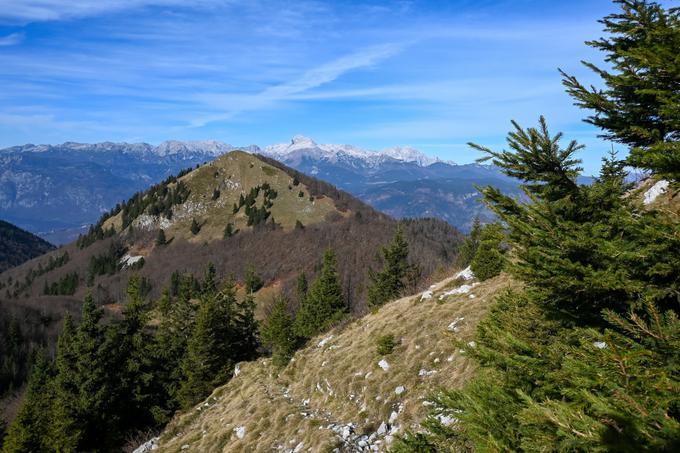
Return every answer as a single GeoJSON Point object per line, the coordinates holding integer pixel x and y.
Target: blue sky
{"type": "Point", "coordinates": [433, 75]}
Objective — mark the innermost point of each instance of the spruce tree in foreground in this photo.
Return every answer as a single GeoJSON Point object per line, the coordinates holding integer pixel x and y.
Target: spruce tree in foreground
{"type": "Point", "coordinates": [489, 259]}
{"type": "Point", "coordinates": [586, 357]}
{"type": "Point", "coordinates": [391, 281]}
{"type": "Point", "coordinates": [324, 304]}
{"type": "Point", "coordinates": [639, 104]}
{"type": "Point", "coordinates": [224, 334]}
{"type": "Point", "coordinates": [207, 362]}
{"type": "Point", "coordinates": [29, 431]}
{"type": "Point", "coordinates": [131, 343]}
{"type": "Point", "coordinates": [169, 349]}
{"type": "Point", "coordinates": [85, 396]}
{"type": "Point", "coordinates": [277, 333]}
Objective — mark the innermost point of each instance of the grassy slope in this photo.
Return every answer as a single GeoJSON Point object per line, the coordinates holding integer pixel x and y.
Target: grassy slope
{"type": "Point", "coordinates": [232, 174]}
{"type": "Point", "coordinates": [310, 402]}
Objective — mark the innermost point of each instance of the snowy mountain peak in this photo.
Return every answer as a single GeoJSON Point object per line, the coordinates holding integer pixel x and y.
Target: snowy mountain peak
{"type": "Point", "coordinates": [304, 147]}
{"type": "Point", "coordinates": [210, 147]}
{"type": "Point", "coordinates": [409, 154]}
{"type": "Point", "coordinates": [301, 140]}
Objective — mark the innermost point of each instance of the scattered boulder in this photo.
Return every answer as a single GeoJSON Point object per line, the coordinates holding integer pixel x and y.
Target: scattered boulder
{"type": "Point", "coordinates": [240, 431]}
{"type": "Point", "coordinates": [600, 344]}
{"type": "Point", "coordinates": [463, 289]}
{"type": "Point", "coordinates": [455, 325]}
{"type": "Point", "coordinates": [465, 274]}
{"type": "Point", "coordinates": [149, 445]}
{"type": "Point", "coordinates": [384, 365]}
{"type": "Point", "coordinates": [399, 390]}
{"type": "Point", "coordinates": [323, 342]}
{"type": "Point", "coordinates": [653, 193]}
{"type": "Point", "coordinates": [446, 420]}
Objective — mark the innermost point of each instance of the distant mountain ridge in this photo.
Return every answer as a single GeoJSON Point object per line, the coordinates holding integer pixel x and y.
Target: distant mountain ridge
{"type": "Point", "coordinates": [56, 191]}
{"type": "Point", "coordinates": [301, 147]}
{"type": "Point", "coordinates": [401, 181]}
{"type": "Point", "coordinates": [18, 246]}
{"type": "Point", "coordinates": [211, 148]}
{"type": "Point", "coordinates": [236, 211]}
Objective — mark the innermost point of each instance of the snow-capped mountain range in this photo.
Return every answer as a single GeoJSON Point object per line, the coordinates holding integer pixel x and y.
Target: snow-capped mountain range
{"type": "Point", "coordinates": [63, 188]}
{"type": "Point", "coordinates": [207, 148]}
{"type": "Point", "coordinates": [301, 147]}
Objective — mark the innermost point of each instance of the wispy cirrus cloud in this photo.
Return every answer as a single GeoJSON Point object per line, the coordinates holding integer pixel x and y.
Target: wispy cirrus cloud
{"type": "Point", "coordinates": [47, 10]}
{"type": "Point", "coordinates": [12, 39]}
{"type": "Point", "coordinates": [232, 104]}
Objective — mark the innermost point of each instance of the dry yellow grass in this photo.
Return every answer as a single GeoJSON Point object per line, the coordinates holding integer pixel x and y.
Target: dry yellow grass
{"type": "Point", "coordinates": [233, 174]}
{"type": "Point", "coordinates": [336, 380]}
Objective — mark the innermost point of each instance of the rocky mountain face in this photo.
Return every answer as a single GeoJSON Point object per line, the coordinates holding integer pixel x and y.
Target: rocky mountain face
{"type": "Point", "coordinates": [18, 246]}
{"type": "Point", "coordinates": [58, 190]}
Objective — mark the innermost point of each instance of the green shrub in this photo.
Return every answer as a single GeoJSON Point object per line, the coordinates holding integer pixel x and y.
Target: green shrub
{"type": "Point", "coordinates": [386, 344]}
{"type": "Point", "coordinates": [489, 259]}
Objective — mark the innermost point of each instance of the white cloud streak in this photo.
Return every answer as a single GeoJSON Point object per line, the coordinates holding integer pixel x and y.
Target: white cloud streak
{"type": "Point", "coordinates": [48, 10]}
{"type": "Point", "coordinates": [11, 40]}
{"type": "Point", "coordinates": [233, 104]}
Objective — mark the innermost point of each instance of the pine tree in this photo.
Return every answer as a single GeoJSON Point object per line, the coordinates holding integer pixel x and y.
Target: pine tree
{"type": "Point", "coordinates": [85, 416]}
{"type": "Point", "coordinates": [129, 347]}
{"type": "Point", "coordinates": [469, 248]}
{"type": "Point", "coordinates": [301, 288]}
{"type": "Point", "coordinates": [209, 285]}
{"type": "Point", "coordinates": [246, 328]}
{"type": "Point", "coordinates": [391, 281]}
{"type": "Point", "coordinates": [160, 238]}
{"type": "Point", "coordinates": [169, 351]}
{"type": "Point", "coordinates": [29, 431]}
{"type": "Point", "coordinates": [277, 333]}
{"type": "Point", "coordinates": [253, 282]}
{"type": "Point", "coordinates": [213, 348]}
{"type": "Point", "coordinates": [229, 230]}
{"type": "Point", "coordinates": [639, 106]}
{"type": "Point", "coordinates": [585, 357]}
{"type": "Point", "coordinates": [65, 431]}
{"type": "Point", "coordinates": [324, 304]}
{"type": "Point", "coordinates": [489, 259]}
{"type": "Point", "coordinates": [195, 227]}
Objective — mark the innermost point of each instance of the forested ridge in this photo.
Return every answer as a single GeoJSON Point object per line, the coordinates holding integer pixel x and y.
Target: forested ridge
{"type": "Point", "coordinates": [18, 246]}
